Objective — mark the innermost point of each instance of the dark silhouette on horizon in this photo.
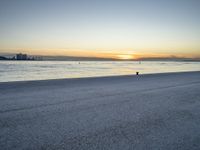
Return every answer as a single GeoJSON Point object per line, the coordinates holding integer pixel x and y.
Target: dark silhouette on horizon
{"type": "Point", "coordinates": [19, 56]}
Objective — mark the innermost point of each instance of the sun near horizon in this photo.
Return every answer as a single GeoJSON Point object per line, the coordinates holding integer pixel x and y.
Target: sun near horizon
{"type": "Point", "coordinates": [124, 30]}
{"type": "Point", "coordinates": [125, 57]}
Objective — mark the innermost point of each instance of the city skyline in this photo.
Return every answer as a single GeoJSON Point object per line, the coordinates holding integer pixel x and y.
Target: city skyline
{"type": "Point", "coordinates": [107, 29]}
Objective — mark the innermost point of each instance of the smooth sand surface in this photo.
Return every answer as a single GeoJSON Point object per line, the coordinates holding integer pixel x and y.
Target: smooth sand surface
{"type": "Point", "coordinates": [160, 111]}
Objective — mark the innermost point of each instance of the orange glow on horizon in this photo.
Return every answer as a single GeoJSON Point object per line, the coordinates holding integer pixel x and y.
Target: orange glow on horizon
{"type": "Point", "coordinates": [125, 57]}
{"type": "Point", "coordinates": [123, 54]}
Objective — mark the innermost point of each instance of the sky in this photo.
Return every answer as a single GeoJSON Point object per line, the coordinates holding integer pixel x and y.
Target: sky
{"type": "Point", "coordinates": [101, 28]}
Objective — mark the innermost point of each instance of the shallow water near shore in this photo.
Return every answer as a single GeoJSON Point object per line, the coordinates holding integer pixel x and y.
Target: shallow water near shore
{"type": "Point", "coordinates": [40, 70]}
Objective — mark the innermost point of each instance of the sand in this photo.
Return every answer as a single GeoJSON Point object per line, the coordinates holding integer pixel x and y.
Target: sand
{"type": "Point", "coordinates": [155, 111]}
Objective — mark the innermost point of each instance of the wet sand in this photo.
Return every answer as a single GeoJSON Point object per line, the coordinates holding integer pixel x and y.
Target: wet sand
{"type": "Point", "coordinates": [155, 111]}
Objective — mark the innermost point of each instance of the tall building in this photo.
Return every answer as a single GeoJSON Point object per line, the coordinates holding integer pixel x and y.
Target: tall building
{"type": "Point", "coordinates": [21, 56]}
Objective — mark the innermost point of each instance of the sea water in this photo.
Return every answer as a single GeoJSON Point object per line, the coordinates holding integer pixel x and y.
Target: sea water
{"type": "Point", "coordinates": [42, 70]}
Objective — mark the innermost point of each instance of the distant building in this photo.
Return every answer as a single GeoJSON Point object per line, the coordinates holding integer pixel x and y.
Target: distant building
{"type": "Point", "coordinates": [21, 56]}
{"type": "Point", "coordinates": [3, 58]}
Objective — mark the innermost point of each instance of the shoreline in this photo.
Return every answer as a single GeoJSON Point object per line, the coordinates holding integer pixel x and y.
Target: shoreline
{"type": "Point", "coordinates": [97, 77]}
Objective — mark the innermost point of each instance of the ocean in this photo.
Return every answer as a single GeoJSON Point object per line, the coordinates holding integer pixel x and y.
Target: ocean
{"type": "Point", "coordinates": [42, 70]}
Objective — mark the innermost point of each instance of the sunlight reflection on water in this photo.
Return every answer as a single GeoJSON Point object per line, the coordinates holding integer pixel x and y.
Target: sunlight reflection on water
{"type": "Point", "coordinates": [39, 70]}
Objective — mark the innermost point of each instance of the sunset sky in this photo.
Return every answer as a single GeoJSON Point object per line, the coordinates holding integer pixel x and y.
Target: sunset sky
{"type": "Point", "coordinates": [122, 29]}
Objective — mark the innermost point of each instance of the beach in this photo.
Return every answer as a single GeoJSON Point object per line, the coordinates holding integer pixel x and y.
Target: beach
{"type": "Point", "coordinates": [152, 111]}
